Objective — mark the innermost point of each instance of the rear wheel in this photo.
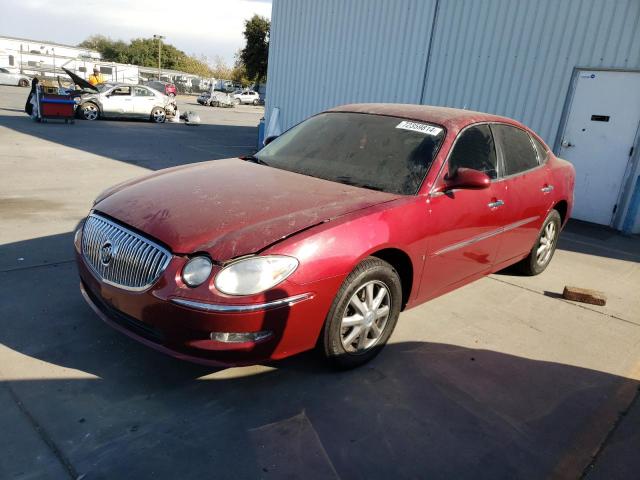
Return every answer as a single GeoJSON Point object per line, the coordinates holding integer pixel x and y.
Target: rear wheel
{"type": "Point", "coordinates": [171, 94]}
{"type": "Point", "coordinates": [545, 246]}
{"type": "Point", "coordinates": [256, 102]}
{"type": "Point", "coordinates": [363, 314]}
{"type": "Point", "coordinates": [158, 115]}
{"type": "Point", "coordinates": [90, 111]}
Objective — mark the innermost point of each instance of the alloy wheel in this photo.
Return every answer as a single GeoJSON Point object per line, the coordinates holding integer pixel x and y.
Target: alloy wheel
{"type": "Point", "coordinates": [159, 115]}
{"type": "Point", "coordinates": [547, 243]}
{"type": "Point", "coordinates": [90, 112]}
{"type": "Point", "coordinates": [365, 317]}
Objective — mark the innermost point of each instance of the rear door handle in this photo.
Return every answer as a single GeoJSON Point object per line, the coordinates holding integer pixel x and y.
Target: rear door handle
{"type": "Point", "coordinates": [547, 189]}
{"type": "Point", "coordinates": [496, 204]}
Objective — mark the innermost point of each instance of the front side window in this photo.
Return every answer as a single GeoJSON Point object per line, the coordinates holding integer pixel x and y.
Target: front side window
{"type": "Point", "coordinates": [106, 70]}
{"type": "Point", "coordinates": [121, 91]}
{"type": "Point", "coordinates": [4, 70]}
{"type": "Point", "coordinates": [517, 149]}
{"type": "Point", "coordinates": [371, 151]}
{"type": "Point", "coordinates": [11, 60]}
{"type": "Point", "coordinates": [475, 149]}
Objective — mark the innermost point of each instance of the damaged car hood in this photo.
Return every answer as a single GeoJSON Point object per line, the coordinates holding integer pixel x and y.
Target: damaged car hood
{"type": "Point", "coordinates": [231, 207]}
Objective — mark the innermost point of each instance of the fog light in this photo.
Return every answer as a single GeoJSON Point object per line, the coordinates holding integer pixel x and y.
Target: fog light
{"type": "Point", "coordinates": [240, 337]}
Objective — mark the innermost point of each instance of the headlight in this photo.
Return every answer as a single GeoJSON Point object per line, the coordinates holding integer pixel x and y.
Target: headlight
{"type": "Point", "coordinates": [255, 274]}
{"type": "Point", "coordinates": [196, 271]}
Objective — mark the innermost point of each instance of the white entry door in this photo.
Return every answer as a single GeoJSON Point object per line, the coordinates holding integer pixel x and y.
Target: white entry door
{"type": "Point", "coordinates": [601, 127]}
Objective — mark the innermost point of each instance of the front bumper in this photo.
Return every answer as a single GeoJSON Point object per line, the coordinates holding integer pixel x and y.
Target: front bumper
{"type": "Point", "coordinates": [164, 318]}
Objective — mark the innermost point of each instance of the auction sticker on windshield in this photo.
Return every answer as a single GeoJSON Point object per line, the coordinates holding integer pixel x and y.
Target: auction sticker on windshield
{"type": "Point", "coordinates": [419, 127]}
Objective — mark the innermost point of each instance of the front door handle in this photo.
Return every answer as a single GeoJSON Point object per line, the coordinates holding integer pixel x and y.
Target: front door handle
{"type": "Point", "coordinates": [547, 189]}
{"type": "Point", "coordinates": [495, 204]}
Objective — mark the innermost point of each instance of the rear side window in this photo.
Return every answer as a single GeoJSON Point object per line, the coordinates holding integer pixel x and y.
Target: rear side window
{"type": "Point", "coordinates": [517, 149]}
{"type": "Point", "coordinates": [474, 149]}
{"type": "Point", "coordinates": [542, 151]}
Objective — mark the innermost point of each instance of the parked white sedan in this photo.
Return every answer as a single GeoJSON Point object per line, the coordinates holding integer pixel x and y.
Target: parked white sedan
{"type": "Point", "coordinates": [119, 100]}
{"type": "Point", "coordinates": [9, 78]}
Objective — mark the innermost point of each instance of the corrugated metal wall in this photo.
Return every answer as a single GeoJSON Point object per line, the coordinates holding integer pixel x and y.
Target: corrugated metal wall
{"type": "Point", "coordinates": [324, 53]}
{"type": "Point", "coordinates": [511, 57]}
{"type": "Point", "coordinates": [516, 57]}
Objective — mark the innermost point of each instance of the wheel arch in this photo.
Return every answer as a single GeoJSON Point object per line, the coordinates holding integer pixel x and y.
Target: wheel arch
{"type": "Point", "coordinates": [402, 264]}
{"type": "Point", "coordinates": [562, 207]}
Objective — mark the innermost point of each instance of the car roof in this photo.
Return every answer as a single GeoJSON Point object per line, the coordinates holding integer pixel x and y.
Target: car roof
{"type": "Point", "coordinates": [453, 119]}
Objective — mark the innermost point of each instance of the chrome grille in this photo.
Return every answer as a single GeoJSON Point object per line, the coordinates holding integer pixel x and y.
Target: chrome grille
{"type": "Point", "coordinates": [121, 257]}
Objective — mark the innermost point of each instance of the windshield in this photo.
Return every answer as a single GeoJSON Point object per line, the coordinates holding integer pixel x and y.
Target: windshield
{"type": "Point", "coordinates": [103, 87]}
{"type": "Point", "coordinates": [372, 151]}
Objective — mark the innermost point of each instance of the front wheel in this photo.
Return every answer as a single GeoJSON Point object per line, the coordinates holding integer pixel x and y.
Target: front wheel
{"type": "Point", "coordinates": [544, 247]}
{"type": "Point", "coordinates": [90, 111]}
{"type": "Point", "coordinates": [363, 314]}
{"type": "Point", "coordinates": [256, 102]}
{"type": "Point", "coordinates": [23, 82]}
{"type": "Point", "coordinates": [158, 115]}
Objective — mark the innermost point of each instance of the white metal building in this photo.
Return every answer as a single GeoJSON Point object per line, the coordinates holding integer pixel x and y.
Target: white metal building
{"type": "Point", "coordinates": [570, 69]}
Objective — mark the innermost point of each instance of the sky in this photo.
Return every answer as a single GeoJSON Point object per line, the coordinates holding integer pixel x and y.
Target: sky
{"type": "Point", "coordinates": [200, 27]}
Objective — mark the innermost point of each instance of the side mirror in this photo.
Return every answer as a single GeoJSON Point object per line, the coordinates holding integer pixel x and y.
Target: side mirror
{"type": "Point", "coordinates": [270, 139]}
{"type": "Point", "coordinates": [466, 178]}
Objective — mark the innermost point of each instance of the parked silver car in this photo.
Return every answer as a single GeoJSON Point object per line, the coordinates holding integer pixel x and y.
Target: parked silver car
{"type": "Point", "coordinates": [9, 78]}
{"type": "Point", "coordinates": [119, 100]}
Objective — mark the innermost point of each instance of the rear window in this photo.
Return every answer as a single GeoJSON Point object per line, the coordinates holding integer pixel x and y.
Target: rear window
{"type": "Point", "coordinates": [384, 153]}
{"type": "Point", "coordinates": [517, 149]}
{"type": "Point", "coordinates": [540, 149]}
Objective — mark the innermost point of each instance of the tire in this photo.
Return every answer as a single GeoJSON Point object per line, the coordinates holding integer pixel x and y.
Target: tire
{"type": "Point", "coordinates": [158, 115]}
{"type": "Point", "coordinates": [171, 94]}
{"type": "Point", "coordinates": [90, 111]}
{"type": "Point", "coordinates": [354, 344]}
{"type": "Point", "coordinates": [236, 101]}
{"type": "Point", "coordinates": [537, 262]}
{"type": "Point", "coordinates": [256, 102]}
{"type": "Point", "coordinates": [23, 82]}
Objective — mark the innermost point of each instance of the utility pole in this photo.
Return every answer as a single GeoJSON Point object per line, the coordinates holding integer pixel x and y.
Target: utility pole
{"type": "Point", "coordinates": [159, 38]}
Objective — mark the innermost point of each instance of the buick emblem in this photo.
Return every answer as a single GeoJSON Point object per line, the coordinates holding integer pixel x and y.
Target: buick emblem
{"type": "Point", "coordinates": [106, 253]}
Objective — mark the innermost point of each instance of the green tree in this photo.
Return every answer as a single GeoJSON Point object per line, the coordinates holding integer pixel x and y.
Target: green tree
{"type": "Point", "coordinates": [144, 52]}
{"type": "Point", "coordinates": [255, 54]}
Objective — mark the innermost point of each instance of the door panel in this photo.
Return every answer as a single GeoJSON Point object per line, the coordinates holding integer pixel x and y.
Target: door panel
{"type": "Point", "coordinates": [600, 131]}
{"type": "Point", "coordinates": [525, 189]}
{"type": "Point", "coordinates": [464, 240]}
{"type": "Point", "coordinates": [143, 101]}
{"type": "Point", "coordinates": [465, 223]}
{"type": "Point", "coordinates": [117, 105]}
{"type": "Point", "coordinates": [526, 201]}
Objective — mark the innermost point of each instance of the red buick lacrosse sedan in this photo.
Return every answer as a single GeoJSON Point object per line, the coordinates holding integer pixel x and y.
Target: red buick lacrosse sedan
{"type": "Point", "coordinates": [324, 236]}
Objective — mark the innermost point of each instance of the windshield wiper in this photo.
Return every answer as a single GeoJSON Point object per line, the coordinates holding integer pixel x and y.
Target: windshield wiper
{"type": "Point", "coordinates": [348, 181]}
{"type": "Point", "coordinates": [254, 159]}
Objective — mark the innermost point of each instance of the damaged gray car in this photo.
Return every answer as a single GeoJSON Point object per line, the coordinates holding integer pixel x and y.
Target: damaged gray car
{"type": "Point", "coordinates": [119, 100]}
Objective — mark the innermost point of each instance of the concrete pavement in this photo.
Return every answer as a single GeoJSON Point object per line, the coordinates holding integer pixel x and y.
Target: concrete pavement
{"type": "Point", "coordinates": [500, 379]}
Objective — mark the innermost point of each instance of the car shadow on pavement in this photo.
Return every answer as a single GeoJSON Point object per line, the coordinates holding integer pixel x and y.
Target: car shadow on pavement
{"type": "Point", "coordinates": [599, 240]}
{"type": "Point", "coordinates": [114, 408]}
{"type": "Point", "coordinates": [591, 239]}
{"type": "Point", "coordinates": [142, 143]}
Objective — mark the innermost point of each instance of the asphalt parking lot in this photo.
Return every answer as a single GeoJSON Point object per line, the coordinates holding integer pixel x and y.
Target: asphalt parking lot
{"type": "Point", "coordinates": [500, 379]}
